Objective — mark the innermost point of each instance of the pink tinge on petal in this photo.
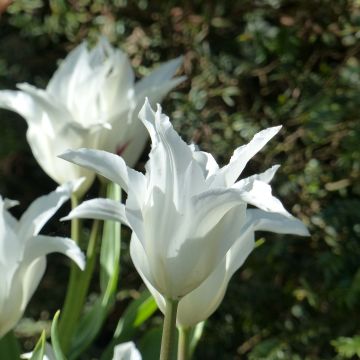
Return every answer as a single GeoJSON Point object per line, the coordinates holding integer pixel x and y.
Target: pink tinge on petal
{"type": "Point", "coordinates": [121, 148]}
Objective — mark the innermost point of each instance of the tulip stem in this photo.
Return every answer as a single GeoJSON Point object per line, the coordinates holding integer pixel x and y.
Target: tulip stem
{"type": "Point", "coordinates": [75, 223]}
{"type": "Point", "coordinates": [168, 340]}
{"type": "Point", "coordinates": [69, 316]}
{"type": "Point", "coordinates": [9, 346]}
{"type": "Point", "coordinates": [184, 351]}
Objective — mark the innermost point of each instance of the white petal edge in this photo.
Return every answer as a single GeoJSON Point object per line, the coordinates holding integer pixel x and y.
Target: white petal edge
{"type": "Point", "coordinates": [43, 208]}
{"type": "Point", "coordinates": [42, 245]}
{"type": "Point", "coordinates": [277, 223]}
{"type": "Point", "coordinates": [109, 165]}
{"type": "Point", "coordinates": [101, 209]}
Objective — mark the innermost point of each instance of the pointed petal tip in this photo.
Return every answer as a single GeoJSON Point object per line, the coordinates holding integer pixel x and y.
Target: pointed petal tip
{"type": "Point", "coordinates": [78, 256]}
{"type": "Point", "coordinates": [305, 232]}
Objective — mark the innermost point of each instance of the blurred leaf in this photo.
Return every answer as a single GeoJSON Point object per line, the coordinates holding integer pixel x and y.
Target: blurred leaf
{"type": "Point", "coordinates": [39, 350]}
{"type": "Point", "coordinates": [55, 338]}
{"type": "Point", "coordinates": [135, 315]}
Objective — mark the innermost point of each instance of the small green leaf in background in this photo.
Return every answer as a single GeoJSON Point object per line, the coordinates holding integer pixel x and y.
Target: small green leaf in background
{"type": "Point", "coordinates": [150, 344]}
{"type": "Point", "coordinates": [9, 346]}
{"type": "Point", "coordinates": [134, 316]}
{"type": "Point", "coordinates": [347, 346]}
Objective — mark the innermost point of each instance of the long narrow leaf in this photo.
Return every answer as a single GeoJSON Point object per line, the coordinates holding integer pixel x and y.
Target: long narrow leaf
{"type": "Point", "coordinates": [55, 338]}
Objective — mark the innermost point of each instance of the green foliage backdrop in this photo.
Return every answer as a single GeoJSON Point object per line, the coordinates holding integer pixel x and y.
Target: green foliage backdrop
{"type": "Point", "coordinates": [250, 64]}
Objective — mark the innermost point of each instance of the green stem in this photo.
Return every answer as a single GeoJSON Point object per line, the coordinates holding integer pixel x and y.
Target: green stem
{"type": "Point", "coordinates": [167, 351]}
{"type": "Point", "coordinates": [75, 223]}
{"type": "Point", "coordinates": [9, 346]}
{"type": "Point", "coordinates": [68, 315]}
{"type": "Point", "coordinates": [184, 351]}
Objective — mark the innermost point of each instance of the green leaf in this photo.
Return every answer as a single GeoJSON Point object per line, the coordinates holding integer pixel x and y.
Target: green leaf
{"type": "Point", "coordinates": [134, 316]}
{"type": "Point", "coordinates": [347, 346]}
{"type": "Point", "coordinates": [150, 343]}
{"type": "Point", "coordinates": [39, 350]}
{"type": "Point", "coordinates": [55, 338]}
{"type": "Point", "coordinates": [9, 346]}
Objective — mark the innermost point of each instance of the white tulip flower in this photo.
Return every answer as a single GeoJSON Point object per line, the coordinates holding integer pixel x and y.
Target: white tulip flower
{"type": "Point", "coordinates": [126, 351]}
{"type": "Point", "coordinates": [92, 101]}
{"type": "Point", "coordinates": [23, 252]}
{"type": "Point", "coordinates": [178, 209]}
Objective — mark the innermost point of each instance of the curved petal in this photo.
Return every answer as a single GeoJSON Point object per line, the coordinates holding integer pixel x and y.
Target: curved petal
{"type": "Point", "coordinates": [57, 113]}
{"type": "Point", "coordinates": [111, 166]}
{"type": "Point", "coordinates": [25, 281]}
{"type": "Point", "coordinates": [278, 223]}
{"type": "Point", "coordinates": [21, 103]}
{"type": "Point", "coordinates": [102, 209]}
{"type": "Point", "coordinates": [170, 156]}
{"type": "Point", "coordinates": [229, 173]}
{"type": "Point", "coordinates": [159, 76]}
{"type": "Point", "coordinates": [266, 176]}
{"type": "Point", "coordinates": [42, 245]}
{"type": "Point", "coordinates": [42, 209]}
{"type": "Point", "coordinates": [210, 206]}
{"type": "Point", "coordinates": [30, 278]}
{"type": "Point", "coordinates": [10, 245]}
{"type": "Point", "coordinates": [260, 195]}
{"type": "Point", "coordinates": [72, 69]}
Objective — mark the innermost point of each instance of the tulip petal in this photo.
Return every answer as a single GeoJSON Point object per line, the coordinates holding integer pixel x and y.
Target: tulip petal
{"type": "Point", "coordinates": [111, 166]}
{"type": "Point", "coordinates": [21, 103]}
{"type": "Point", "coordinates": [51, 106]}
{"type": "Point", "coordinates": [160, 75]}
{"type": "Point", "coordinates": [229, 173]}
{"type": "Point", "coordinates": [278, 223]}
{"type": "Point", "coordinates": [210, 206]}
{"type": "Point", "coordinates": [42, 245]}
{"type": "Point", "coordinates": [73, 69]}
{"type": "Point", "coordinates": [102, 209]}
{"type": "Point", "coordinates": [170, 158]}
{"type": "Point", "coordinates": [42, 209]}
{"type": "Point", "coordinates": [260, 195]}
{"type": "Point", "coordinates": [206, 161]}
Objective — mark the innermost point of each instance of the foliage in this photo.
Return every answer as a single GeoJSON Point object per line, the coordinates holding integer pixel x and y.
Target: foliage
{"type": "Point", "coordinates": [250, 64]}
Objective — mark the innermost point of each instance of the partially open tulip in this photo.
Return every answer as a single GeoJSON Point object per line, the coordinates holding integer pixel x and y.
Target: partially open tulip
{"type": "Point", "coordinates": [179, 209]}
{"type": "Point", "coordinates": [23, 252]}
{"type": "Point", "coordinates": [91, 101]}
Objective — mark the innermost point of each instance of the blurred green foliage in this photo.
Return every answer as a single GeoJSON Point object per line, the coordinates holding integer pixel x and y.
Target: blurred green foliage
{"type": "Point", "coordinates": [250, 65]}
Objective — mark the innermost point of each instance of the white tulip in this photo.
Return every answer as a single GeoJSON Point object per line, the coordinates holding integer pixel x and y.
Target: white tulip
{"type": "Point", "coordinates": [126, 351]}
{"type": "Point", "coordinates": [177, 209]}
{"type": "Point", "coordinates": [92, 101]}
{"type": "Point", "coordinates": [23, 252]}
